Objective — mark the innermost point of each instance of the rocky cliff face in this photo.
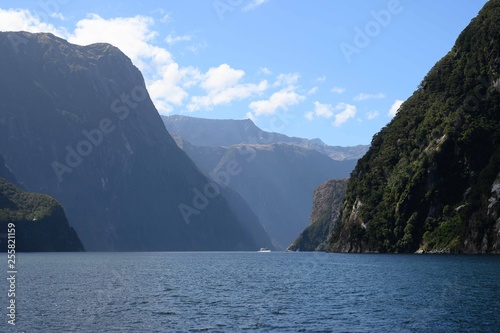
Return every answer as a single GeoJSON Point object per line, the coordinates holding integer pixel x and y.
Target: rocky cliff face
{"type": "Point", "coordinates": [430, 180]}
{"type": "Point", "coordinates": [325, 214]}
{"type": "Point", "coordinates": [77, 123]}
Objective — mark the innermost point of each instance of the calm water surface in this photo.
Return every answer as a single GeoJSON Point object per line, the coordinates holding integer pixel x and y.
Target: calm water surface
{"type": "Point", "coordinates": [254, 292]}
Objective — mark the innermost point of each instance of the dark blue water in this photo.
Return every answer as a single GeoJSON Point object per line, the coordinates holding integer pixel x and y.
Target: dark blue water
{"type": "Point", "coordinates": [254, 292]}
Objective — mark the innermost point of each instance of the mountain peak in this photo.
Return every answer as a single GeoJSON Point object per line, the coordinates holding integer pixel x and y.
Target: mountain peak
{"type": "Point", "coordinates": [77, 123]}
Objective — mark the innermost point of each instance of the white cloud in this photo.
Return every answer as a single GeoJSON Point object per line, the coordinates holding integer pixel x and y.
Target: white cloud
{"type": "Point", "coordinates": [312, 91]}
{"type": "Point", "coordinates": [372, 115]}
{"type": "Point", "coordinates": [58, 16]}
{"type": "Point", "coordinates": [395, 107]}
{"type": "Point", "coordinates": [286, 79]}
{"type": "Point", "coordinates": [226, 96]}
{"type": "Point", "coordinates": [341, 113]}
{"type": "Point", "coordinates": [167, 18]}
{"type": "Point", "coordinates": [222, 85]}
{"type": "Point", "coordinates": [321, 79]}
{"type": "Point", "coordinates": [363, 96]}
{"type": "Point", "coordinates": [347, 111]}
{"type": "Point", "coordinates": [195, 48]}
{"type": "Point", "coordinates": [323, 110]}
{"type": "Point", "coordinates": [282, 99]}
{"type": "Point", "coordinates": [223, 76]}
{"type": "Point", "coordinates": [132, 35]}
{"type": "Point", "coordinates": [23, 20]}
{"type": "Point", "coordinates": [169, 87]}
{"type": "Point", "coordinates": [171, 39]}
{"type": "Point", "coordinates": [264, 71]}
{"type": "Point", "coordinates": [254, 4]}
{"type": "Point", "coordinates": [338, 90]}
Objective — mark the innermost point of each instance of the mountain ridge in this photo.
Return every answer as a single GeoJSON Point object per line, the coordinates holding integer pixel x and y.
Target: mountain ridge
{"type": "Point", "coordinates": [230, 132]}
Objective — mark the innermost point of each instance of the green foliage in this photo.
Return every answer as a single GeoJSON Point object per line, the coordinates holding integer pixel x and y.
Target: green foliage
{"type": "Point", "coordinates": [446, 237]}
{"type": "Point", "coordinates": [17, 205]}
{"type": "Point", "coordinates": [439, 153]}
{"type": "Point", "coordinates": [40, 223]}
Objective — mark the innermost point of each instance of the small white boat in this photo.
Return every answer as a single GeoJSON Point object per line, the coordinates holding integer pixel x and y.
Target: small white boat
{"type": "Point", "coordinates": [264, 249]}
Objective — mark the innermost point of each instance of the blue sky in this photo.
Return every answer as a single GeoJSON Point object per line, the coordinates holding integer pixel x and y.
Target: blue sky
{"type": "Point", "coordinates": [334, 70]}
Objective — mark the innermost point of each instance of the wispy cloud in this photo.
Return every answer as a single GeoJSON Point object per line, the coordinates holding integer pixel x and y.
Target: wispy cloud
{"type": "Point", "coordinates": [59, 16]}
{"type": "Point", "coordinates": [254, 4]}
{"type": "Point", "coordinates": [286, 79]}
{"type": "Point", "coordinates": [312, 91]}
{"type": "Point", "coordinates": [196, 48]}
{"type": "Point", "coordinates": [364, 97]}
{"type": "Point", "coordinates": [283, 99]}
{"type": "Point", "coordinates": [222, 85]}
{"type": "Point", "coordinates": [395, 107]}
{"type": "Point", "coordinates": [341, 113]}
{"type": "Point", "coordinates": [338, 90]}
{"type": "Point", "coordinates": [320, 110]}
{"type": "Point", "coordinates": [347, 111]}
{"type": "Point", "coordinates": [265, 71]}
{"type": "Point", "coordinates": [372, 115]}
{"type": "Point", "coordinates": [171, 39]}
{"type": "Point", "coordinates": [167, 18]}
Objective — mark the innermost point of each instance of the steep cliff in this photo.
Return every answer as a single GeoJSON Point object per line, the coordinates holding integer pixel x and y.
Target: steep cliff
{"type": "Point", "coordinates": [429, 181]}
{"type": "Point", "coordinates": [77, 123]}
{"type": "Point", "coordinates": [326, 209]}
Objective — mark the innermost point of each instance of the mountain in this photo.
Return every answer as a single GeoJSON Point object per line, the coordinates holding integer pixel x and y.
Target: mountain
{"type": "Point", "coordinates": [77, 123]}
{"type": "Point", "coordinates": [430, 180]}
{"type": "Point", "coordinates": [276, 180]}
{"type": "Point", "coordinates": [229, 132]}
{"type": "Point", "coordinates": [327, 206]}
{"type": "Point", "coordinates": [39, 222]}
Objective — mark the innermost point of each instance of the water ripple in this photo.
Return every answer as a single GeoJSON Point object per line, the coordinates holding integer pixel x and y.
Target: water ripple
{"type": "Point", "coordinates": [251, 292]}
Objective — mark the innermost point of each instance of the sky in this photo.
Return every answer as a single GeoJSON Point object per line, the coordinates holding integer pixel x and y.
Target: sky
{"type": "Point", "coordinates": [337, 70]}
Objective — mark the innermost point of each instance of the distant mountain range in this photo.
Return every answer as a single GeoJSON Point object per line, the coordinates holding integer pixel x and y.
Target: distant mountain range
{"type": "Point", "coordinates": [230, 132]}
{"type": "Point", "coordinates": [77, 123]}
{"type": "Point", "coordinates": [276, 179]}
